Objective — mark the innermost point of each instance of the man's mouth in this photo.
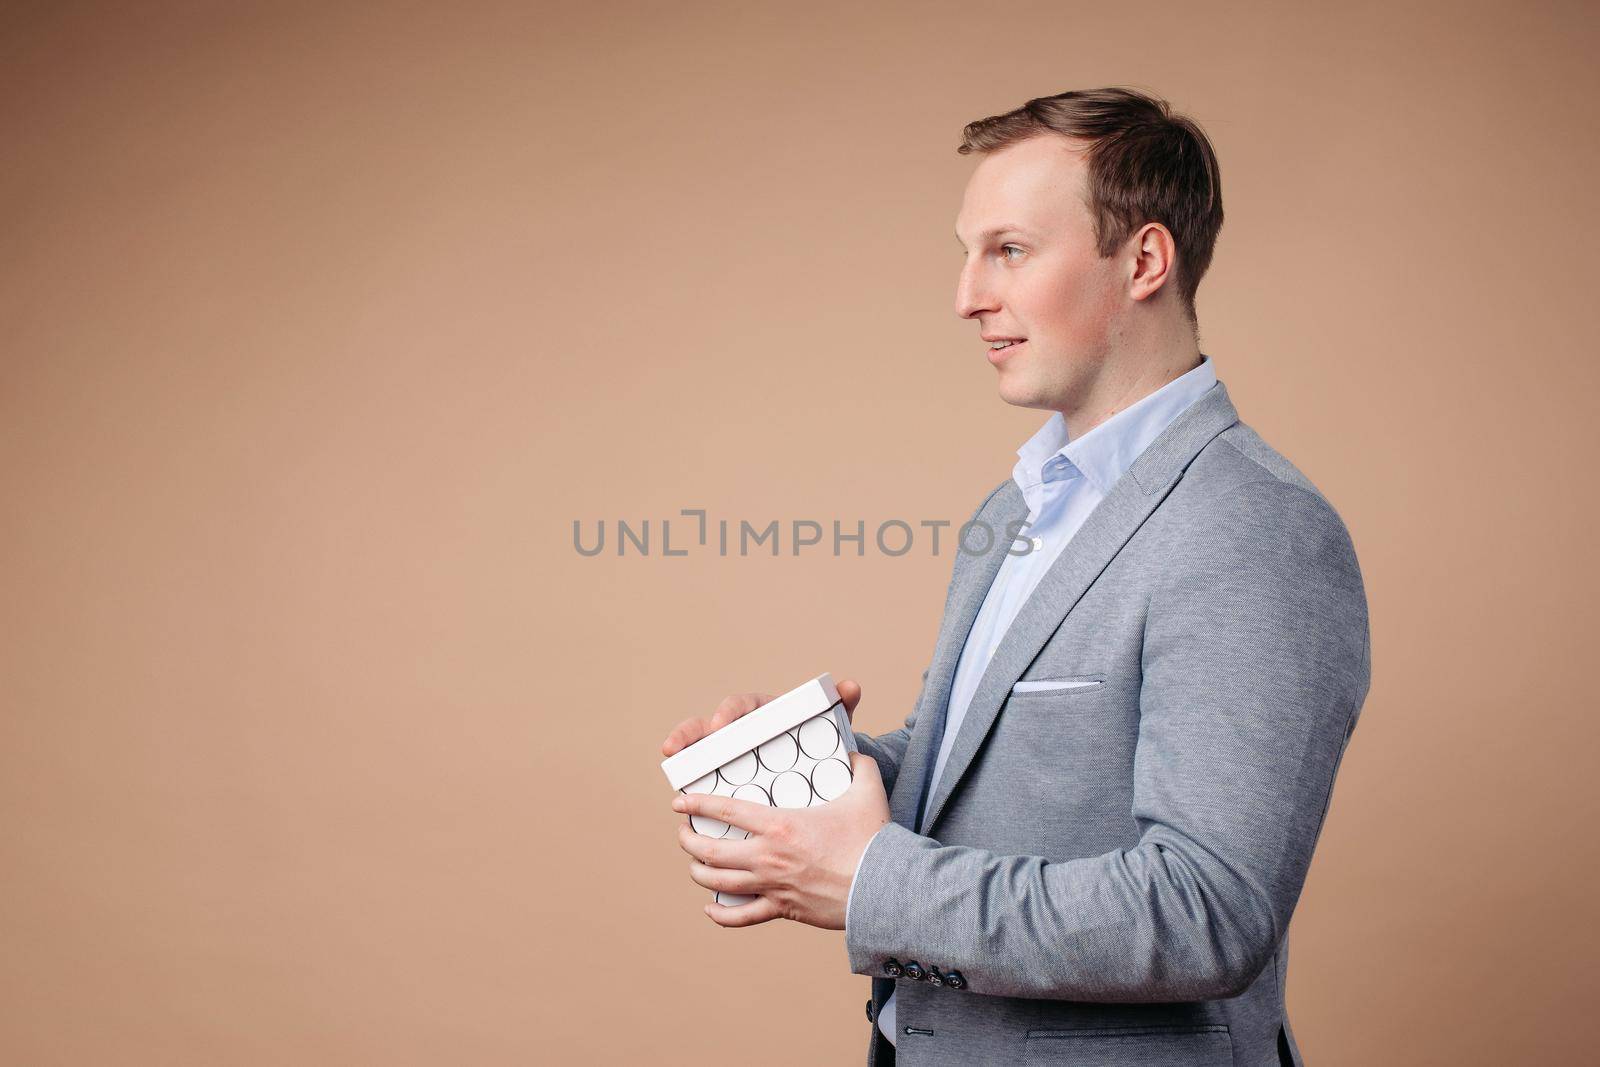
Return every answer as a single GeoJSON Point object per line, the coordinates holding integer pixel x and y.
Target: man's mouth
{"type": "Point", "coordinates": [1000, 341]}
{"type": "Point", "coordinates": [1000, 347]}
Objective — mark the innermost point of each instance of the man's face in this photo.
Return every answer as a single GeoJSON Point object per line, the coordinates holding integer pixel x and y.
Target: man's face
{"type": "Point", "coordinates": [1032, 273]}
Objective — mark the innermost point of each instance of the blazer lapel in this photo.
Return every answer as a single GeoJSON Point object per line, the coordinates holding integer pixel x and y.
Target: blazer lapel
{"type": "Point", "coordinates": [1112, 523]}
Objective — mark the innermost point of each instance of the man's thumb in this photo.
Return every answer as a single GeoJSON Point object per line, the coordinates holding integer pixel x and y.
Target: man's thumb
{"type": "Point", "coordinates": [850, 693]}
{"type": "Point", "coordinates": [861, 763]}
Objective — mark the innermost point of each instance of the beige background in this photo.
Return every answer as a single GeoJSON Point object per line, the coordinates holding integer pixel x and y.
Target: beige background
{"type": "Point", "coordinates": [320, 324]}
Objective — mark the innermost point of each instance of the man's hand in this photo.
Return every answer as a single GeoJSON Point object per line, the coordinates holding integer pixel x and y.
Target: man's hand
{"type": "Point", "coordinates": [797, 862]}
{"type": "Point", "coordinates": [689, 731]}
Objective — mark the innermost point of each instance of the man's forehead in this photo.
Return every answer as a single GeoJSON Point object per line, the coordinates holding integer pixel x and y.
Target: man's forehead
{"type": "Point", "coordinates": [1034, 185]}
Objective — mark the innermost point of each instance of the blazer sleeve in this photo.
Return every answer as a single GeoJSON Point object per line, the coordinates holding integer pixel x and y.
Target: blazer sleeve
{"type": "Point", "coordinates": [1255, 664]}
{"type": "Point", "coordinates": [889, 750]}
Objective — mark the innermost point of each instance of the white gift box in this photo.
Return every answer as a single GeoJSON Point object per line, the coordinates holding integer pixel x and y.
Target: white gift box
{"type": "Point", "coordinates": [792, 752]}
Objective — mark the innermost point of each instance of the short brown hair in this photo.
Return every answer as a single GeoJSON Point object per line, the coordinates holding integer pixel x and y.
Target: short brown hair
{"type": "Point", "coordinates": [1145, 164]}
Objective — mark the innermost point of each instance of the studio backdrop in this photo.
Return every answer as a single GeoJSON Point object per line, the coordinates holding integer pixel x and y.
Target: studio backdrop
{"type": "Point", "coordinates": [333, 335]}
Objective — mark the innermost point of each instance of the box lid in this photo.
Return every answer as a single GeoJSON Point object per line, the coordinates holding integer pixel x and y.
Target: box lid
{"type": "Point", "coordinates": [748, 731]}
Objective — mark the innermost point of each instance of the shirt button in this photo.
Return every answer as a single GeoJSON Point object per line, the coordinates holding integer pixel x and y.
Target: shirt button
{"type": "Point", "coordinates": [1038, 544]}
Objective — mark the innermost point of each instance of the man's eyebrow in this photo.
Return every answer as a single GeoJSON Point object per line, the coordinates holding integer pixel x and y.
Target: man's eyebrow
{"type": "Point", "coordinates": [993, 232]}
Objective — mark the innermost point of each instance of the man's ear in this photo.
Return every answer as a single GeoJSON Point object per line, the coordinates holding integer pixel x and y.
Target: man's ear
{"type": "Point", "coordinates": [1155, 260]}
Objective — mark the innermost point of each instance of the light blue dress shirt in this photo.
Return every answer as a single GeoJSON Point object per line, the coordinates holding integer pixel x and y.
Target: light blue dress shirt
{"type": "Point", "coordinates": [1062, 482]}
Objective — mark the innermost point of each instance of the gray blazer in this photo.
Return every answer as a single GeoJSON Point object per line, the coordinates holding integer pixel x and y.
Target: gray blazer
{"type": "Point", "coordinates": [1111, 867]}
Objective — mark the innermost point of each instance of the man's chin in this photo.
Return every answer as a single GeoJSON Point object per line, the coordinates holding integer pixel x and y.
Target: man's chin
{"type": "Point", "coordinates": [1022, 396]}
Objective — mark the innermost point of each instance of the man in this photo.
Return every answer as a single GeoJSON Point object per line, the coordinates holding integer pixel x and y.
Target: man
{"type": "Point", "coordinates": [1101, 811]}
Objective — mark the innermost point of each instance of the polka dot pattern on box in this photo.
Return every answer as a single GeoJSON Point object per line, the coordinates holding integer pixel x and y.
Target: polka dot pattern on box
{"type": "Point", "coordinates": [796, 769]}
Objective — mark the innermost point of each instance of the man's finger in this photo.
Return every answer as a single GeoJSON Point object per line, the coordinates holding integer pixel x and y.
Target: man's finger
{"type": "Point", "coordinates": [744, 814]}
{"type": "Point", "coordinates": [732, 707]}
{"type": "Point", "coordinates": [723, 880]}
{"type": "Point", "coordinates": [759, 910]}
{"type": "Point", "coordinates": [683, 735]}
{"type": "Point", "coordinates": [736, 706]}
{"type": "Point", "coordinates": [729, 854]}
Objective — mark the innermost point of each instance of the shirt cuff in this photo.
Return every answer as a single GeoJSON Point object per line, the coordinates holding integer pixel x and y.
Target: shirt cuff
{"type": "Point", "coordinates": [857, 876]}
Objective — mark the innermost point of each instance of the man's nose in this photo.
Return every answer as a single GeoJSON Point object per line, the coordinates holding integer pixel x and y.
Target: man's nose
{"type": "Point", "coordinates": [973, 294]}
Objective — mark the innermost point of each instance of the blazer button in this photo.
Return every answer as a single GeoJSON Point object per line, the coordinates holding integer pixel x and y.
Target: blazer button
{"type": "Point", "coordinates": [892, 968]}
{"type": "Point", "coordinates": [934, 977]}
{"type": "Point", "coordinates": [870, 1017]}
{"type": "Point", "coordinates": [914, 971]}
{"type": "Point", "coordinates": [955, 981]}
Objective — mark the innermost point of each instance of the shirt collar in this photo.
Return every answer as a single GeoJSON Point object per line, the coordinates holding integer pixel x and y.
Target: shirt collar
{"type": "Point", "coordinates": [1104, 454]}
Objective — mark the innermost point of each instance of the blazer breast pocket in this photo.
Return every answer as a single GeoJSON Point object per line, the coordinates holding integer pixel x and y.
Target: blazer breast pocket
{"type": "Point", "coordinates": [1039, 687]}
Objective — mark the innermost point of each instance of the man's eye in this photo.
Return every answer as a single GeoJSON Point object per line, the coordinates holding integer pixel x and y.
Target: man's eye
{"type": "Point", "coordinates": [1006, 250]}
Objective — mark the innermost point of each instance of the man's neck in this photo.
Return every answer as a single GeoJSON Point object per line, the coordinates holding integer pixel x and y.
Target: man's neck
{"type": "Point", "coordinates": [1128, 378]}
